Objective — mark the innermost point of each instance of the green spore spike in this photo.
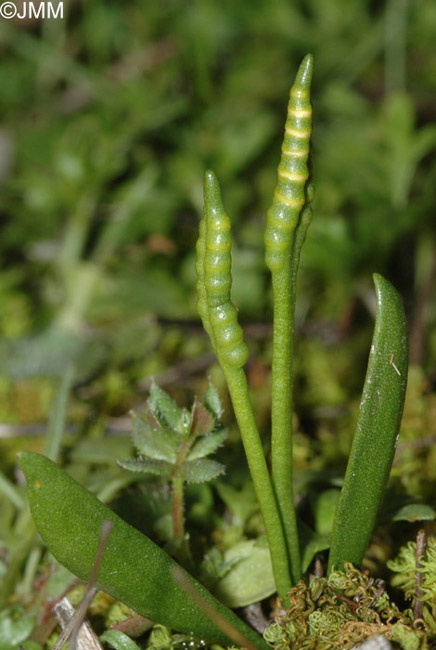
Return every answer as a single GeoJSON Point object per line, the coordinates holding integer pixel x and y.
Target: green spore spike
{"type": "Point", "coordinates": [289, 194]}
{"type": "Point", "coordinates": [227, 333]}
{"type": "Point", "coordinates": [287, 222]}
{"type": "Point", "coordinates": [219, 313]}
{"type": "Point", "coordinates": [202, 307]}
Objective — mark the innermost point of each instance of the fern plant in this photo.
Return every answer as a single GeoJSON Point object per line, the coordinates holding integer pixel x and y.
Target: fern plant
{"type": "Point", "coordinates": [175, 443]}
{"type": "Point", "coordinates": [383, 395]}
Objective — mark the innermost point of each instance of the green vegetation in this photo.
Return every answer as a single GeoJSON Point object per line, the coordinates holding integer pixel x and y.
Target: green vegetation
{"type": "Point", "coordinates": [110, 118]}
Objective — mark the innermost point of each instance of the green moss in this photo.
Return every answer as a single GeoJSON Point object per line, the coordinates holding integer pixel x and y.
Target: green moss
{"type": "Point", "coordinates": [340, 613]}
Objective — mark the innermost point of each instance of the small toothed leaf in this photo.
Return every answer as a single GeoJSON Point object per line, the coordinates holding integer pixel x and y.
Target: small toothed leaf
{"type": "Point", "coordinates": [200, 471]}
{"type": "Point", "coordinates": [207, 445]}
{"type": "Point", "coordinates": [185, 423]}
{"type": "Point", "coordinates": [212, 401]}
{"type": "Point", "coordinates": [164, 407]}
{"type": "Point", "coordinates": [153, 443]}
{"type": "Point", "coordinates": [147, 466]}
{"type": "Point", "coordinates": [203, 421]}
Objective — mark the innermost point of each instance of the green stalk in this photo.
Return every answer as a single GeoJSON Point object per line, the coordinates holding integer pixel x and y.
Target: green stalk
{"type": "Point", "coordinates": [183, 553]}
{"type": "Point", "coordinates": [58, 414]}
{"type": "Point", "coordinates": [284, 289]}
{"type": "Point", "coordinates": [281, 414]}
{"type": "Point", "coordinates": [177, 509]}
{"type": "Point", "coordinates": [238, 388]}
{"type": "Point", "coordinates": [220, 321]}
{"type": "Point", "coordinates": [9, 490]}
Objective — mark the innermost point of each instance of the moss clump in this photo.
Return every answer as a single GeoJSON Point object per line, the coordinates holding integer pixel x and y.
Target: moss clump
{"type": "Point", "coordinates": [339, 613]}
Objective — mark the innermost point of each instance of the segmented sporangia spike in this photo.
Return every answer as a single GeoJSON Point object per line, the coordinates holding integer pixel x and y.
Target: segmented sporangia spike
{"type": "Point", "coordinates": [289, 195]}
{"type": "Point", "coordinates": [202, 306]}
{"type": "Point", "coordinates": [217, 263]}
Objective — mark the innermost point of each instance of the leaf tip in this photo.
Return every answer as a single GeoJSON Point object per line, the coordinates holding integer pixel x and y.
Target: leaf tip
{"type": "Point", "coordinates": [23, 459]}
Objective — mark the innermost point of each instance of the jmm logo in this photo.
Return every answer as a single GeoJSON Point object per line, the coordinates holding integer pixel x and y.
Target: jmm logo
{"type": "Point", "coordinates": [32, 10]}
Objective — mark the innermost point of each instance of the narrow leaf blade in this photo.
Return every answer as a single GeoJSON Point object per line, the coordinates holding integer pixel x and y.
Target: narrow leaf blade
{"type": "Point", "coordinates": [376, 431]}
{"type": "Point", "coordinates": [118, 640]}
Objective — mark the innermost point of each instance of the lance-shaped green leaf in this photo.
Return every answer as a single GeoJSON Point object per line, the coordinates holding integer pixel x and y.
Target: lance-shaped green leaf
{"type": "Point", "coordinates": [133, 569]}
{"type": "Point", "coordinates": [147, 466]}
{"type": "Point", "coordinates": [376, 432]}
{"type": "Point", "coordinates": [200, 471]}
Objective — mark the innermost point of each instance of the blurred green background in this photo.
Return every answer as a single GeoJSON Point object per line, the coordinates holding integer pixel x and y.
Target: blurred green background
{"type": "Point", "coordinates": [110, 117]}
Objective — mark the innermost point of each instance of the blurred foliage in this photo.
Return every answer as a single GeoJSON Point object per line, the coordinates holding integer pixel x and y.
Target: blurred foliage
{"type": "Point", "coordinates": [111, 115]}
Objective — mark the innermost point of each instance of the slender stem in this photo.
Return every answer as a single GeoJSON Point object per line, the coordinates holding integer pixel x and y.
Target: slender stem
{"type": "Point", "coordinates": [77, 231]}
{"type": "Point", "coordinates": [177, 508]}
{"type": "Point", "coordinates": [421, 547]}
{"type": "Point", "coordinates": [281, 413]}
{"type": "Point", "coordinates": [30, 569]}
{"type": "Point", "coordinates": [10, 491]}
{"type": "Point", "coordinates": [221, 322]}
{"type": "Point", "coordinates": [178, 503]}
{"type": "Point", "coordinates": [58, 414]}
{"type": "Point", "coordinates": [237, 384]}
{"type": "Point", "coordinates": [284, 283]}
